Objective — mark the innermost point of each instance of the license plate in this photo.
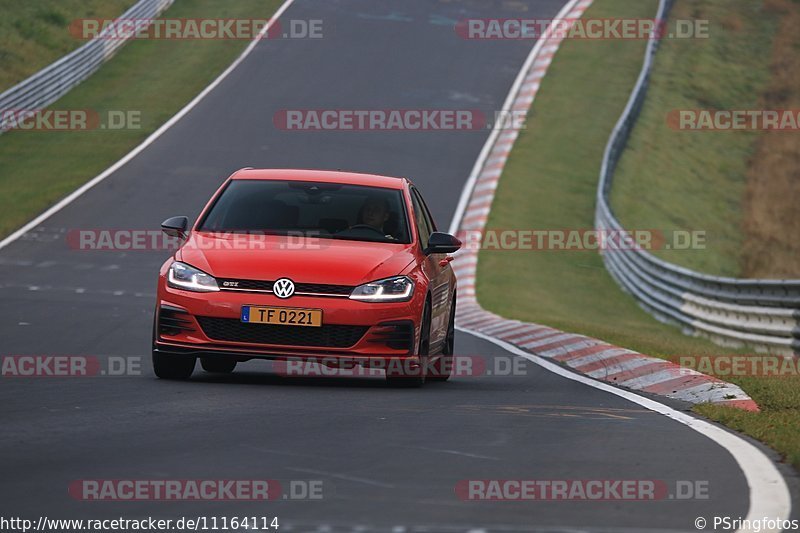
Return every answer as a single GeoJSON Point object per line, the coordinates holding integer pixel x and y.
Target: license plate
{"type": "Point", "coordinates": [282, 316]}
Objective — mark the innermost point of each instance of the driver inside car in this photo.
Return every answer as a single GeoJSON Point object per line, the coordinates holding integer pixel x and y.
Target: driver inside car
{"type": "Point", "coordinates": [374, 212]}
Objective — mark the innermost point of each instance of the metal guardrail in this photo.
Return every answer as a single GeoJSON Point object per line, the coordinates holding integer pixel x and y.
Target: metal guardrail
{"type": "Point", "coordinates": [763, 314]}
{"type": "Point", "coordinates": [55, 80]}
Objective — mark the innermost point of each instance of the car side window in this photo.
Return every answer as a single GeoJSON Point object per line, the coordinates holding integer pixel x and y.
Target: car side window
{"type": "Point", "coordinates": [426, 212]}
{"type": "Point", "coordinates": [420, 219]}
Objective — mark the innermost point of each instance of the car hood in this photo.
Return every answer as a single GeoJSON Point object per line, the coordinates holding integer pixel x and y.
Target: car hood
{"type": "Point", "coordinates": [304, 260]}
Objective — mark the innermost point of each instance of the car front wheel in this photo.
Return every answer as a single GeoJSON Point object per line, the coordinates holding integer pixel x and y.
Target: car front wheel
{"type": "Point", "coordinates": [173, 366]}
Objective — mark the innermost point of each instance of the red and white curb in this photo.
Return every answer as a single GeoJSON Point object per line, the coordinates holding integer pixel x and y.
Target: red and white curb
{"type": "Point", "coordinates": [586, 355]}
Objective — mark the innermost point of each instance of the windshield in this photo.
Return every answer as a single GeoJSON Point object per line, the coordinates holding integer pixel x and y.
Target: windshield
{"type": "Point", "coordinates": [313, 209]}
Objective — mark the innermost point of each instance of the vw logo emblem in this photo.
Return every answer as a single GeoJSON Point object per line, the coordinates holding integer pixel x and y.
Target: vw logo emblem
{"type": "Point", "coordinates": [283, 288]}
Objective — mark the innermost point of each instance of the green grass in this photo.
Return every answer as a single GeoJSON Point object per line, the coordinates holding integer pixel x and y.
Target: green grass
{"type": "Point", "coordinates": [778, 422]}
{"type": "Point", "coordinates": [550, 182]}
{"type": "Point", "coordinates": [35, 33]}
{"type": "Point", "coordinates": [681, 180]}
{"type": "Point", "coordinates": [155, 77]}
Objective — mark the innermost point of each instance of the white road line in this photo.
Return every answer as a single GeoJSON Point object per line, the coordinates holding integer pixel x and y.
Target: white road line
{"type": "Point", "coordinates": [64, 202]}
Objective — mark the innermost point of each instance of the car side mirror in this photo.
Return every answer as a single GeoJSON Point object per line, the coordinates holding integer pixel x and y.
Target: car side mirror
{"type": "Point", "coordinates": [442, 243]}
{"type": "Point", "coordinates": [175, 227]}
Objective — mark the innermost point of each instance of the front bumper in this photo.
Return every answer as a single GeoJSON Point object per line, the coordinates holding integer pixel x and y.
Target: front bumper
{"type": "Point", "coordinates": [208, 324]}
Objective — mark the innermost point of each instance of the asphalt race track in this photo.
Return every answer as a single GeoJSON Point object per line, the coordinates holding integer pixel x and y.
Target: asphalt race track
{"type": "Point", "coordinates": [387, 457]}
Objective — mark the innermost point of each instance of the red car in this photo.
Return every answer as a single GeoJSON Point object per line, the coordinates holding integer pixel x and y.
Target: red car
{"type": "Point", "coordinates": [338, 268]}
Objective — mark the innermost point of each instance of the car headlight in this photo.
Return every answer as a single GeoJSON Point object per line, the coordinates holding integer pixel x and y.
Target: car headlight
{"type": "Point", "coordinates": [188, 278]}
{"type": "Point", "coordinates": [396, 289]}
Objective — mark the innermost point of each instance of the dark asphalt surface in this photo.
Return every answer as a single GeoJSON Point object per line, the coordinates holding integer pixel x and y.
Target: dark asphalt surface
{"type": "Point", "coordinates": [386, 457]}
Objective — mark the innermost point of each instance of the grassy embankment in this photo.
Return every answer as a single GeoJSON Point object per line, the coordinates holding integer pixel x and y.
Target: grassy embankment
{"type": "Point", "coordinates": [34, 34]}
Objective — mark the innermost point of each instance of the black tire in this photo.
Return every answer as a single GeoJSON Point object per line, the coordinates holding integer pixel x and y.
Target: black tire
{"type": "Point", "coordinates": [177, 367]}
{"type": "Point", "coordinates": [218, 365]}
{"type": "Point", "coordinates": [415, 378]}
{"type": "Point", "coordinates": [443, 368]}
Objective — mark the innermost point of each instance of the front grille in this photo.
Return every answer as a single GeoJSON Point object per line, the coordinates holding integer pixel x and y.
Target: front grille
{"type": "Point", "coordinates": [299, 288]}
{"type": "Point", "coordinates": [233, 330]}
{"type": "Point", "coordinates": [321, 288]}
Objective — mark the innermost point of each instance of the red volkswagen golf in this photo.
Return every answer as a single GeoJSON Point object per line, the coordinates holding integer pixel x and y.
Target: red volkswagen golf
{"type": "Point", "coordinates": [338, 268]}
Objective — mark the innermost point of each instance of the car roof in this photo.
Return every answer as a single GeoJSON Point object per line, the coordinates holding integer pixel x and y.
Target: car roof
{"type": "Point", "coordinates": [323, 176]}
